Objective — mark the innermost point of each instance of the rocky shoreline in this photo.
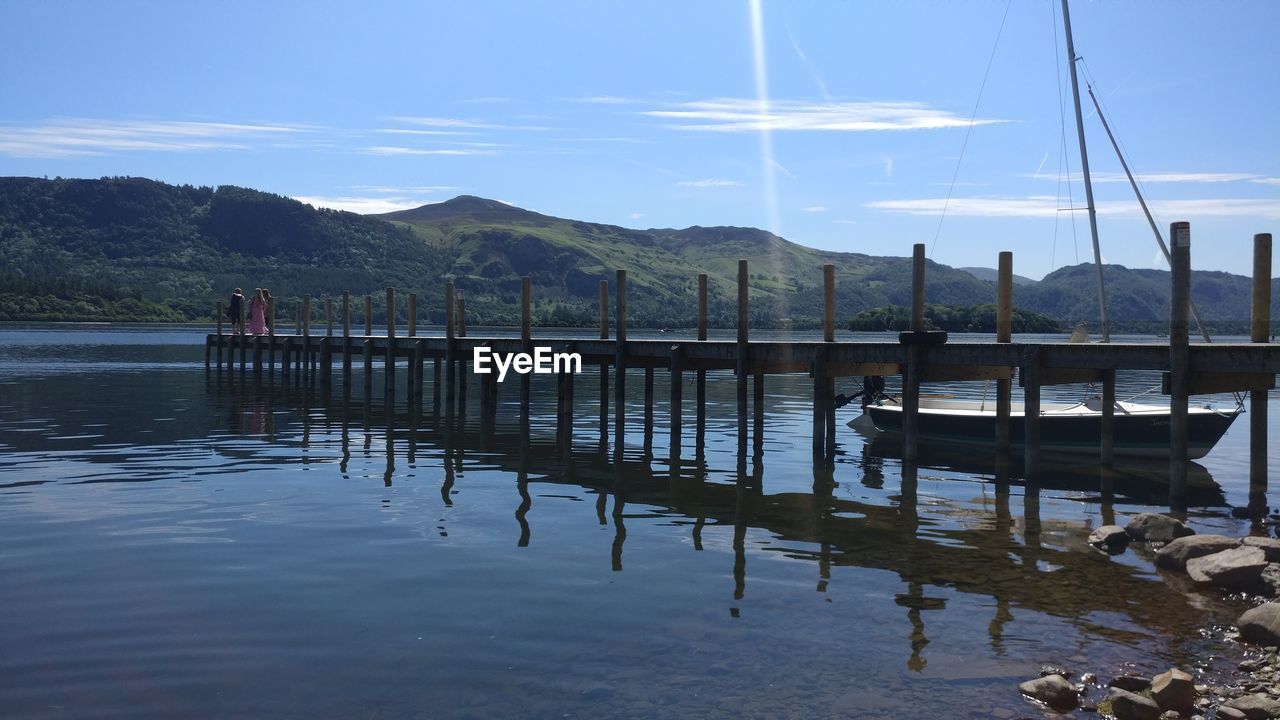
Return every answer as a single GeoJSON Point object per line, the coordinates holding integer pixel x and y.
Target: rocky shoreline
{"type": "Point", "coordinates": [1244, 567]}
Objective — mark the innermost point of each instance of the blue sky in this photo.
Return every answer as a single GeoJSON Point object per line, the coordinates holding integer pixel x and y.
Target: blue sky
{"type": "Point", "coordinates": [838, 125]}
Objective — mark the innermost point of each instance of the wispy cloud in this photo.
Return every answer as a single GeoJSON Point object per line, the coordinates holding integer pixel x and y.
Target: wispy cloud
{"type": "Point", "coordinates": [745, 115]}
{"type": "Point", "coordinates": [411, 189]}
{"type": "Point", "coordinates": [364, 205]}
{"type": "Point", "coordinates": [621, 140]}
{"type": "Point", "coordinates": [636, 216]}
{"type": "Point", "coordinates": [606, 100]}
{"type": "Point", "coordinates": [1046, 206]}
{"type": "Point", "coordinates": [419, 131]}
{"type": "Point", "coordinates": [397, 150]}
{"type": "Point", "coordinates": [710, 182]}
{"type": "Point", "coordinates": [70, 137]}
{"type": "Point", "coordinates": [1267, 181]}
{"type": "Point", "coordinates": [814, 209]}
{"type": "Point", "coordinates": [1163, 177]}
{"type": "Point", "coordinates": [460, 123]}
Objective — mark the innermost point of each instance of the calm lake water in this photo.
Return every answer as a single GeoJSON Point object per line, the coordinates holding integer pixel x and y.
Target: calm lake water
{"type": "Point", "coordinates": [175, 545]}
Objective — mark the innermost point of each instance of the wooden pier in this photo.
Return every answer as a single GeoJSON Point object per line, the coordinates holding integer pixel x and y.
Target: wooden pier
{"type": "Point", "coordinates": [919, 356]}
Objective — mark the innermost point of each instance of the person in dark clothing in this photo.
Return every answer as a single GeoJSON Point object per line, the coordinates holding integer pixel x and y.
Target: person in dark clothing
{"type": "Point", "coordinates": [236, 312]}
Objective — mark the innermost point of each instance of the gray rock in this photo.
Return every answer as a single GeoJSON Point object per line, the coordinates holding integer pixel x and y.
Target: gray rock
{"type": "Point", "coordinates": [1132, 683]}
{"type": "Point", "coordinates": [1052, 690]}
{"type": "Point", "coordinates": [1175, 555]}
{"type": "Point", "coordinates": [1254, 707]}
{"type": "Point", "coordinates": [1174, 690]}
{"type": "Point", "coordinates": [1269, 545]}
{"type": "Point", "coordinates": [1230, 713]}
{"type": "Point", "coordinates": [1170, 715]}
{"type": "Point", "coordinates": [1154, 527]}
{"type": "Point", "coordinates": [1235, 569]}
{"type": "Point", "coordinates": [1109, 537]}
{"type": "Point", "coordinates": [1129, 706]}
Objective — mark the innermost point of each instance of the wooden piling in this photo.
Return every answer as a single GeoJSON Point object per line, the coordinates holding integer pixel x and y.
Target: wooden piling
{"type": "Point", "coordinates": [450, 389]}
{"type": "Point", "coordinates": [221, 311]}
{"type": "Point", "coordinates": [911, 373]}
{"type": "Point", "coordinates": [526, 335]}
{"type": "Point", "coordinates": [828, 303]}
{"type": "Point", "coordinates": [676, 400]}
{"type": "Point", "coordinates": [742, 355]}
{"type": "Point", "coordinates": [389, 365]}
{"type": "Point", "coordinates": [620, 365]}
{"type": "Point", "coordinates": [306, 330]}
{"type": "Point", "coordinates": [346, 336]}
{"type": "Point", "coordinates": [368, 344]}
{"type": "Point", "coordinates": [702, 374]}
{"type": "Point", "coordinates": [368, 315]}
{"type": "Point", "coordinates": [1031, 415]}
{"type": "Point", "coordinates": [1259, 332]}
{"type": "Point", "coordinates": [1179, 359]}
{"type": "Point", "coordinates": [1004, 334]}
{"type": "Point", "coordinates": [413, 315]}
{"type": "Point", "coordinates": [820, 400]}
{"type": "Point", "coordinates": [271, 335]}
{"type": "Point", "coordinates": [462, 314]}
{"type": "Point", "coordinates": [328, 317]}
{"type": "Point", "coordinates": [257, 354]}
{"type": "Point", "coordinates": [604, 366]}
{"type": "Point", "coordinates": [244, 309]}
{"type": "Point", "coordinates": [757, 411]}
{"type": "Point", "coordinates": [1107, 441]}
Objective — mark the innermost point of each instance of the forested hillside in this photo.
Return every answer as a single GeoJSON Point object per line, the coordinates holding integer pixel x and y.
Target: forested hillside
{"type": "Point", "coordinates": [141, 250]}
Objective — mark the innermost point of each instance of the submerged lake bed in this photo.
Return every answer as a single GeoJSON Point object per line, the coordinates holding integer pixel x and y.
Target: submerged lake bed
{"type": "Point", "coordinates": [180, 543]}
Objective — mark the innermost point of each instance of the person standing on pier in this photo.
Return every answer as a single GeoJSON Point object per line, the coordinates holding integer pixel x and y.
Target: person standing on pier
{"type": "Point", "coordinates": [234, 312]}
{"type": "Point", "coordinates": [258, 313]}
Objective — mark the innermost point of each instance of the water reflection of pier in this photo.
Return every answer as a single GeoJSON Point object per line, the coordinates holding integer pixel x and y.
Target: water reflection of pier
{"type": "Point", "coordinates": [1001, 550]}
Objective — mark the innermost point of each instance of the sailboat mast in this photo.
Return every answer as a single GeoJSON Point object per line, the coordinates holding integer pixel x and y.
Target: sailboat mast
{"type": "Point", "coordinates": [1084, 164]}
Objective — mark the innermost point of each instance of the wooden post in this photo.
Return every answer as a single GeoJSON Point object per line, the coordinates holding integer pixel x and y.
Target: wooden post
{"type": "Point", "coordinates": [221, 311]}
{"type": "Point", "coordinates": [1179, 359]}
{"type": "Point", "coordinates": [828, 303]}
{"type": "Point", "coordinates": [368, 344]}
{"type": "Point", "coordinates": [462, 315]}
{"type": "Point", "coordinates": [389, 381]}
{"type": "Point", "coordinates": [328, 317]}
{"type": "Point", "coordinates": [701, 399]}
{"type": "Point", "coordinates": [911, 374]}
{"type": "Point", "coordinates": [1004, 334]}
{"type": "Point", "coordinates": [1107, 441]}
{"type": "Point", "coordinates": [819, 404]}
{"type": "Point", "coordinates": [1031, 416]}
{"type": "Point", "coordinates": [604, 366]}
{"type": "Point", "coordinates": [676, 400]}
{"type": "Point", "coordinates": [742, 359]}
{"type": "Point", "coordinates": [306, 331]}
{"type": "Point", "coordinates": [450, 389]}
{"type": "Point", "coordinates": [244, 309]}
{"type": "Point", "coordinates": [526, 336]}
{"type": "Point", "coordinates": [257, 354]}
{"type": "Point", "coordinates": [1259, 331]}
{"type": "Point", "coordinates": [413, 314]}
{"type": "Point", "coordinates": [271, 335]}
{"type": "Point", "coordinates": [346, 336]}
{"type": "Point", "coordinates": [757, 410]}
{"type": "Point", "coordinates": [620, 365]}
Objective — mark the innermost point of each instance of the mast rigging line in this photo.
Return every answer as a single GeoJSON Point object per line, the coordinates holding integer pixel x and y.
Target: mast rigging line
{"type": "Point", "coordinates": [972, 117]}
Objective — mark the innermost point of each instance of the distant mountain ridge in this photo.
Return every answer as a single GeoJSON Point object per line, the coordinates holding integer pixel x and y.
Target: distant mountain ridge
{"type": "Point", "coordinates": [132, 248]}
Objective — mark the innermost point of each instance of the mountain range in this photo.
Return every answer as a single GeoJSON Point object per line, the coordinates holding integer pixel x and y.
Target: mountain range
{"type": "Point", "coordinates": [138, 249]}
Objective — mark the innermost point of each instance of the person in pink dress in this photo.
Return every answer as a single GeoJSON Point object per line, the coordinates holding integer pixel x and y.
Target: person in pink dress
{"type": "Point", "coordinates": [257, 313]}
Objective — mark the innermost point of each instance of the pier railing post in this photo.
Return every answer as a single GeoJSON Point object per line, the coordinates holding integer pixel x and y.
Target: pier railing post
{"type": "Point", "coordinates": [271, 335]}
{"type": "Point", "coordinates": [1004, 334]}
{"type": "Point", "coordinates": [911, 374]}
{"type": "Point", "coordinates": [368, 344]}
{"type": "Point", "coordinates": [413, 315]}
{"type": "Point", "coordinates": [346, 336]}
{"type": "Point", "coordinates": [450, 390]}
{"type": "Point", "coordinates": [1031, 415]}
{"type": "Point", "coordinates": [1259, 331]}
{"type": "Point", "coordinates": [620, 366]}
{"type": "Point", "coordinates": [389, 381]}
{"type": "Point", "coordinates": [829, 388]}
{"type": "Point", "coordinates": [701, 429]}
{"type": "Point", "coordinates": [221, 312]}
{"type": "Point", "coordinates": [604, 366]}
{"type": "Point", "coordinates": [462, 314]}
{"type": "Point", "coordinates": [743, 350]}
{"type": "Point", "coordinates": [244, 309]}
{"type": "Point", "coordinates": [676, 401]}
{"type": "Point", "coordinates": [1179, 359]}
{"type": "Point", "coordinates": [306, 331]}
{"type": "Point", "coordinates": [526, 336]}
{"type": "Point", "coordinates": [828, 303]}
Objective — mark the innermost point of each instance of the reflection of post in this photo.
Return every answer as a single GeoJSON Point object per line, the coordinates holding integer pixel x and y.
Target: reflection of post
{"type": "Point", "coordinates": [522, 483]}
{"type": "Point", "coordinates": [346, 429]}
{"type": "Point", "coordinates": [741, 516]}
{"type": "Point", "coordinates": [388, 409]}
{"type": "Point", "coordinates": [648, 412]}
{"type": "Point", "coordinates": [757, 409]}
{"type": "Point", "coordinates": [619, 538]}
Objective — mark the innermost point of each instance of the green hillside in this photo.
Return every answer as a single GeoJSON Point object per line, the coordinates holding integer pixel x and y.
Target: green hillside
{"type": "Point", "coordinates": [137, 249]}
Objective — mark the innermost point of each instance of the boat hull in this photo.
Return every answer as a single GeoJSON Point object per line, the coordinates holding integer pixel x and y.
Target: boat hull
{"type": "Point", "coordinates": [1140, 430]}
